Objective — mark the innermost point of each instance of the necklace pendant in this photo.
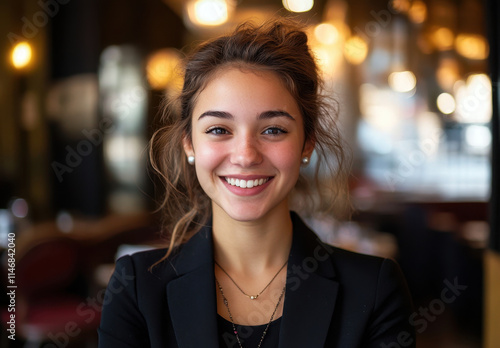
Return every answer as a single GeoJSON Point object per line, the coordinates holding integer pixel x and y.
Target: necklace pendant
{"type": "Point", "coordinates": [252, 297]}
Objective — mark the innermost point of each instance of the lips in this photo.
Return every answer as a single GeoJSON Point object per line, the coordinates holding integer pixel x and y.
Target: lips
{"type": "Point", "coordinates": [242, 183]}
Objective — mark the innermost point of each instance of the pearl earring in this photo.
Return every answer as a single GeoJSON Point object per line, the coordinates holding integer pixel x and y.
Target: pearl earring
{"type": "Point", "coordinates": [305, 161]}
{"type": "Point", "coordinates": [191, 160]}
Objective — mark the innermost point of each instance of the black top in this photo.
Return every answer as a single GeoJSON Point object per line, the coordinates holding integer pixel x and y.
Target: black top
{"type": "Point", "coordinates": [334, 299]}
{"type": "Point", "coordinates": [249, 335]}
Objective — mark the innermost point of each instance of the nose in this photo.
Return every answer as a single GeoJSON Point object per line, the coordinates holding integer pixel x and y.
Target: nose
{"type": "Point", "coordinates": [246, 151]}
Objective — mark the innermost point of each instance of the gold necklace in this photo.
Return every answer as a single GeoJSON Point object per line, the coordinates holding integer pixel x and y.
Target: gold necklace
{"type": "Point", "coordinates": [251, 297]}
{"type": "Point", "coordinates": [226, 303]}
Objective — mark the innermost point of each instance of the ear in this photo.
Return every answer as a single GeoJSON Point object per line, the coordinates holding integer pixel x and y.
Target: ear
{"type": "Point", "coordinates": [188, 145]}
{"type": "Point", "coordinates": [308, 148]}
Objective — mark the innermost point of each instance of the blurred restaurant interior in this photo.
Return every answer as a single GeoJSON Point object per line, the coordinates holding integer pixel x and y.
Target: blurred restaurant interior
{"type": "Point", "coordinates": [81, 84]}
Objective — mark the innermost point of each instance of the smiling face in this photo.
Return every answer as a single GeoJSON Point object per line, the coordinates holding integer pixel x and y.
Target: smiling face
{"type": "Point", "coordinates": [248, 141]}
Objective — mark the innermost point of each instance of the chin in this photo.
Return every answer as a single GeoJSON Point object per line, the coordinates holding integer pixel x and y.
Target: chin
{"type": "Point", "coordinates": [249, 212]}
{"type": "Point", "coordinates": [244, 216]}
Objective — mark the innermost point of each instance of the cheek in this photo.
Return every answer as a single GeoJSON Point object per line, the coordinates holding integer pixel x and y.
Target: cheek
{"type": "Point", "coordinates": [208, 158]}
{"type": "Point", "coordinates": [287, 158]}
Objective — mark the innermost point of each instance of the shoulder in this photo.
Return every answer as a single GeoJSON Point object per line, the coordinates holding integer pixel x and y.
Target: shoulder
{"type": "Point", "coordinates": [147, 264]}
{"type": "Point", "coordinates": [347, 265]}
{"type": "Point", "coordinates": [346, 260]}
{"type": "Point", "coordinates": [355, 268]}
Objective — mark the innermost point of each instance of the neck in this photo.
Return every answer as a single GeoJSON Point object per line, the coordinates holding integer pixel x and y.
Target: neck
{"type": "Point", "coordinates": [252, 247]}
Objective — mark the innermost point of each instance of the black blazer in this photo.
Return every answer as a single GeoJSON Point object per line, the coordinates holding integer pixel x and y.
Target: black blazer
{"type": "Point", "coordinates": [334, 298]}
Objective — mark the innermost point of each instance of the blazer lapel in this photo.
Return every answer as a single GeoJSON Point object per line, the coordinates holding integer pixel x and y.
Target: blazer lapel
{"type": "Point", "coordinates": [191, 297]}
{"type": "Point", "coordinates": [311, 291]}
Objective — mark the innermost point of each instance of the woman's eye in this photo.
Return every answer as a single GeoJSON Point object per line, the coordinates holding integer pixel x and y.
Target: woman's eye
{"type": "Point", "coordinates": [274, 131]}
{"type": "Point", "coordinates": [217, 131]}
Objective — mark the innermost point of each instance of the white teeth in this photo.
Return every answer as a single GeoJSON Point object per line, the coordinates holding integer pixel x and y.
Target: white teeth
{"type": "Point", "coordinates": [246, 183]}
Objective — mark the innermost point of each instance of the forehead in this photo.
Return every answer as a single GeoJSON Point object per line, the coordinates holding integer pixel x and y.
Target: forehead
{"type": "Point", "coordinates": [237, 86]}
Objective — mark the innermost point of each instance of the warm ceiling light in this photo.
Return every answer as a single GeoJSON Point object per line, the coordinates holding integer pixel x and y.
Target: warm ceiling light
{"type": "Point", "coordinates": [402, 81]}
{"type": "Point", "coordinates": [21, 55]}
{"type": "Point", "coordinates": [472, 46]}
{"type": "Point", "coordinates": [326, 33]}
{"type": "Point", "coordinates": [355, 50]}
{"type": "Point", "coordinates": [298, 5]}
{"type": "Point", "coordinates": [208, 12]}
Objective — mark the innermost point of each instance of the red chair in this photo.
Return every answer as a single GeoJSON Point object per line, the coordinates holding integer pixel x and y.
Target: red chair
{"type": "Point", "coordinates": [50, 307]}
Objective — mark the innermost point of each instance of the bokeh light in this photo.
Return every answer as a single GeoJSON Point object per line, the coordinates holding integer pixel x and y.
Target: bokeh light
{"type": "Point", "coordinates": [208, 12]}
{"type": "Point", "coordinates": [402, 81]}
{"type": "Point", "coordinates": [298, 5]}
{"type": "Point", "coordinates": [162, 68]}
{"type": "Point", "coordinates": [418, 12]}
{"type": "Point", "coordinates": [21, 55]}
{"type": "Point", "coordinates": [326, 33]}
{"type": "Point", "coordinates": [446, 103]}
{"type": "Point", "coordinates": [355, 50]}
{"type": "Point", "coordinates": [472, 46]}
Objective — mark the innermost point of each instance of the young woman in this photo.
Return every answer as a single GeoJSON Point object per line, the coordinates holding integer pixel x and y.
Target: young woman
{"type": "Point", "coordinates": [242, 270]}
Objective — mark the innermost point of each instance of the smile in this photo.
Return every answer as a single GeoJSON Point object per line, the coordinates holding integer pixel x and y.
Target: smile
{"type": "Point", "coordinates": [246, 183]}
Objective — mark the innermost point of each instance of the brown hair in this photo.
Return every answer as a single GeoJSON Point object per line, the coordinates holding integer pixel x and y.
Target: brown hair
{"type": "Point", "coordinates": [280, 46]}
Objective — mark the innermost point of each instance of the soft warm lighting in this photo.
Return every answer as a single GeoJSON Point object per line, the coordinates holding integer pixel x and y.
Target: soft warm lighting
{"type": "Point", "coordinates": [401, 5]}
{"type": "Point", "coordinates": [442, 39]}
{"type": "Point", "coordinates": [326, 33]}
{"type": "Point", "coordinates": [446, 103]}
{"type": "Point", "coordinates": [21, 55]}
{"type": "Point", "coordinates": [355, 50]}
{"type": "Point", "coordinates": [161, 68]}
{"type": "Point", "coordinates": [472, 46]}
{"type": "Point", "coordinates": [402, 81]}
{"type": "Point", "coordinates": [378, 108]}
{"type": "Point", "coordinates": [208, 12]}
{"type": "Point", "coordinates": [418, 12]}
{"type": "Point", "coordinates": [328, 59]}
{"type": "Point", "coordinates": [447, 73]}
{"type": "Point", "coordinates": [298, 5]}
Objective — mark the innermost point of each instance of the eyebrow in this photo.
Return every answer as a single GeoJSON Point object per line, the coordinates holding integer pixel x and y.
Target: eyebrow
{"type": "Point", "coordinates": [263, 116]}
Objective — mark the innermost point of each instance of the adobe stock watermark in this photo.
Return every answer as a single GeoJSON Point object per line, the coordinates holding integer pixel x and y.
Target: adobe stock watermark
{"type": "Point", "coordinates": [421, 318]}
{"type": "Point", "coordinates": [475, 101]}
{"type": "Point", "coordinates": [381, 20]}
{"type": "Point", "coordinates": [74, 156]}
{"type": "Point", "coordinates": [39, 19]}
{"type": "Point", "coordinates": [88, 310]}
{"type": "Point", "coordinates": [299, 273]}
{"type": "Point", "coordinates": [406, 166]}
{"type": "Point", "coordinates": [93, 138]}
{"type": "Point", "coordinates": [296, 275]}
